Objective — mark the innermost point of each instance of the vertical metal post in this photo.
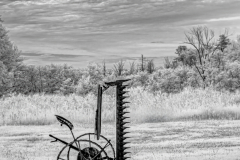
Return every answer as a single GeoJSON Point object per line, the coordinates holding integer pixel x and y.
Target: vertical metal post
{"type": "Point", "coordinates": [98, 117]}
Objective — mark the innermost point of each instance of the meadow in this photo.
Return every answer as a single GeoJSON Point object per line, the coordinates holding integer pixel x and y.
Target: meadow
{"type": "Point", "coordinates": [182, 140]}
{"type": "Point", "coordinates": [145, 107]}
{"type": "Point", "coordinates": [192, 124]}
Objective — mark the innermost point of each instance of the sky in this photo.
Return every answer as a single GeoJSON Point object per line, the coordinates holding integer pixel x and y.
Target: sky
{"type": "Point", "coordinates": [79, 32]}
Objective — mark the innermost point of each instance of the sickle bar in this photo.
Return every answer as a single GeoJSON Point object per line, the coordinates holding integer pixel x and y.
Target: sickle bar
{"type": "Point", "coordinates": [120, 122]}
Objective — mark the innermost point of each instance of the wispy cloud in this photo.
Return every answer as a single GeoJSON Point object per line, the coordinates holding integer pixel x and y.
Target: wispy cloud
{"type": "Point", "coordinates": [39, 2]}
{"type": "Point", "coordinates": [107, 27]}
{"type": "Point", "coordinates": [224, 19]}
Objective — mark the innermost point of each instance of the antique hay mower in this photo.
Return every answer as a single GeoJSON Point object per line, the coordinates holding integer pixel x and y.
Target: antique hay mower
{"type": "Point", "coordinates": [84, 147]}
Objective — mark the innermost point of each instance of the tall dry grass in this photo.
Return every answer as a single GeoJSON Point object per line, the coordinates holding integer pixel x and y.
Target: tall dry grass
{"type": "Point", "coordinates": [191, 104]}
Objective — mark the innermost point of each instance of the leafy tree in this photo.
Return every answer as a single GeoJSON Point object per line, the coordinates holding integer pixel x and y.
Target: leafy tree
{"type": "Point", "coordinates": [228, 79]}
{"type": "Point", "coordinates": [223, 42]}
{"type": "Point", "coordinates": [186, 56]}
{"type": "Point", "coordinates": [9, 54]}
{"type": "Point", "coordinates": [180, 49]}
{"type": "Point", "coordinates": [4, 79]}
{"type": "Point", "coordinates": [67, 87]}
{"type": "Point", "coordinates": [218, 60]}
{"type": "Point", "coordinates": [10, 61]}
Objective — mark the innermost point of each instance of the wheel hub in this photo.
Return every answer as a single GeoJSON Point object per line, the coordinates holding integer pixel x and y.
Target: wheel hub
{"type": "Point", "coordinates": [89, 153]}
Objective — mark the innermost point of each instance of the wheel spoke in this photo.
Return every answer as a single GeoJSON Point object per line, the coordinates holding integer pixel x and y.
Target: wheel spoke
{"type": "Point", "coordinates": [78, 146]}
{"type": "Point", "coordinates": [68, 153]}
{"type": "Point", "coordinates": [75, 145]}
{"type": "Point", "coordinates": [106, 145]}
{"type": "Point", "coordinates": [108, 158]}
{"type": "Point", "coordinates": [114, 155]}
{"type": "Point", "coordinates": [89, 140]}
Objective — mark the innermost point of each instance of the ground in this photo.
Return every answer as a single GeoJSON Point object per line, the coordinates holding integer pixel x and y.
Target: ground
{"type": "Point", "coordinates": [186, 140]}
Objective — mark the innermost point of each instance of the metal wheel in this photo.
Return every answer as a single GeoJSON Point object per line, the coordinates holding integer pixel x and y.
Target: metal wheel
{"type": "Point", "coordinates": [90, 149]}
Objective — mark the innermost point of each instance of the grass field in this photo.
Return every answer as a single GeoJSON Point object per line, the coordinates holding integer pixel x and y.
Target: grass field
{"type": "Point", "coordinates": [191, 104]}
{"type": "Point", "coordinates": [194, 124]}
{"type": "Point", "coordinates": [183, 140]}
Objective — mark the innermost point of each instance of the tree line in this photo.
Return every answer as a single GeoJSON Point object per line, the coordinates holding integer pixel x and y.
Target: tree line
{"type": "Point", "coordinates": [205, 61]}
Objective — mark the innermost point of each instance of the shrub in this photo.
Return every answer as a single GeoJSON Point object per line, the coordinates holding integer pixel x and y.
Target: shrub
{"type": "Point", "coordinates": [229, 79]}
{"type": "Point", "coordinates": [173, 80]}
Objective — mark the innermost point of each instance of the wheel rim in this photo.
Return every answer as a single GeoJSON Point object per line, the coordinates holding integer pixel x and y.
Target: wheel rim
{"type": "Point", "coordinates": [101, 136]}
{"type": "Point", "coordinates": [81, 140]}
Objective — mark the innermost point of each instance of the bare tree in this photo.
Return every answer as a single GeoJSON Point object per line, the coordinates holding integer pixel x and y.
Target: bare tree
{"type": "Point", "coordinates": [202, 39]}
{"type": "Point", "coordinates": [142, 64]}
{"type": "Point", "coordinates": [132, 67]}
{"type": "Point", "coordinates": [170, 63]}
{"type": "Point", "coordinates": [118, 68]}
{"type": "Point", "coordinates": [150, 66]}
{"type": "Point", "coordinates": [104, 68]}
